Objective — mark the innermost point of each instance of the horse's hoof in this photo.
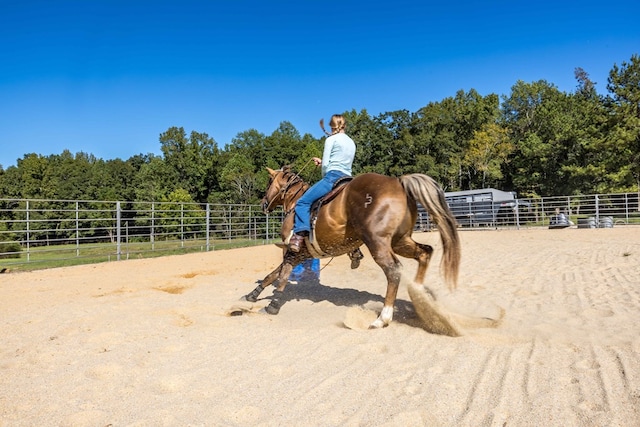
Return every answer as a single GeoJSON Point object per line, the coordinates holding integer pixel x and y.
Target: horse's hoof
{"type": "Point", "coordinates": [253, 295]}
{"type": "Point", "coordinates": [355, 263]}
{"type": "Point", "coordinates": [272, 310]}
{"type": "Point", "coordinates": [377, 324]}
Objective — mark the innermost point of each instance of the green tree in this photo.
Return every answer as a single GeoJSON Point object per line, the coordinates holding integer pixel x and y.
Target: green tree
{"type": "Point", "coordinates": [33, 173]}
{"type": "Point", "coordinates": [252, 145]}
{"type": "Point", "coordinates": [113, 180]}
{"type": "Point", "coordinates": [581, 168]}
{"type": "Point", "coordinates": [11, 183]}
{"type": "Point", "coordinates": [488, 150]}
{"type": "Point", "coordinates": [283, 146]}
{"type": "Point", "coordinates": [192, 161]}
{"type": "Point", "coordinates": [154, 180]}
{"type": "Point", "coordinates": [400, 150]}
{"type": "Point", "coordinates": [538, 116]}
{"type": "Point", "coordinates": [238, 180]}
{"type": "Point", "coordinates": [371, 138]}
{"type": "Point", "coordinates": [623, 129]}
{"type": "Point", "coordinates": [69, 176]}
{"type": "Point", "coordinates": [443, 131]}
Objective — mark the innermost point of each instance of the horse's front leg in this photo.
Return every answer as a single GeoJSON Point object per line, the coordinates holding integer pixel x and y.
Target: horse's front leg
{"type": "Point", "coordinates": [277, 300]}
{"type": "Point", "coordinates": [271, 277]}
{"type": "Point", "coordinates": [280, 278]}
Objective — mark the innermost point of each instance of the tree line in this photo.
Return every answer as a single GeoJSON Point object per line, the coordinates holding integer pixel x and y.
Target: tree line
{"type": "Point", "coordinates": [536, 140]}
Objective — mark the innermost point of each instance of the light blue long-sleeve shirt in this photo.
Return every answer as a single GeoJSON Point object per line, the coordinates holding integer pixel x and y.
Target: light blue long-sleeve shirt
{"type": "Point", "coordinates": [338, 154]}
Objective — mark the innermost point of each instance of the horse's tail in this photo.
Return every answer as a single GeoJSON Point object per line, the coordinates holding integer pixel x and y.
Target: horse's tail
{"type": "Point", "coordinates": [423, 189]}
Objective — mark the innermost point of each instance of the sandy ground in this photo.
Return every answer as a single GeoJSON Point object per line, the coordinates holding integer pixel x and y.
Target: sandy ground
{"type": "Point", "coordinates": [149, 342]}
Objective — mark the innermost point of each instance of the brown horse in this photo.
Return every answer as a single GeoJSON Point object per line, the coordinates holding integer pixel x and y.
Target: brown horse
{"type": "Point", "coordinates": [376, 210]}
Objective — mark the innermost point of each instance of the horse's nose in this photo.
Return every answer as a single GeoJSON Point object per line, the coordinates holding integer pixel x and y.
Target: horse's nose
{"type": "Point", "coordinates": [264, 206]}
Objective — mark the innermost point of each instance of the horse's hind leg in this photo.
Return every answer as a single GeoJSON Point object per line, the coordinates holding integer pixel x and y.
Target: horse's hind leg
{"type": "Point", "coordinates": [409, 248]}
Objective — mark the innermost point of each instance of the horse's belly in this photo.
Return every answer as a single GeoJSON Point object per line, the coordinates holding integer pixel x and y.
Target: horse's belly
{"type": "Point", "coordinates": [334, 238]}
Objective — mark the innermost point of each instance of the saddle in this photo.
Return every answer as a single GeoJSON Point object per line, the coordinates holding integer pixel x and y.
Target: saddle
{"type": "Point", "coordinates": [314, 249]}
{"type": "Point", "coordinates": [312, 244]}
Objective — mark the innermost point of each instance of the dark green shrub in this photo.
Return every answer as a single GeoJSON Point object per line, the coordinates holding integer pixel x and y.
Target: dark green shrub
{"type": "Point", "coordinates": [10, 250]}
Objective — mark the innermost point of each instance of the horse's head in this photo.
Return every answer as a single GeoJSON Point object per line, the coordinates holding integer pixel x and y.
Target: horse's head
{"type": "Point", "coordinates": [272, 196]}
{"type": "Point", "coordinates": [280, 181]}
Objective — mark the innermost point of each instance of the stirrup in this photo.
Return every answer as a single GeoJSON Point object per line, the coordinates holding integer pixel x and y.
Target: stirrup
{"type": "Point", "coordinates": [296, 242]}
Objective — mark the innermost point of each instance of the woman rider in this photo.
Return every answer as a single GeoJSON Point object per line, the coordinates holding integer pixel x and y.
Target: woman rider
{"type": "Point", "coordinates": [337, 159]}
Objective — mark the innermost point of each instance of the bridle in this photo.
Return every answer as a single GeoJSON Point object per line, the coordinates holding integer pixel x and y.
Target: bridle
{"type": "Point", "coordinates": [292, 179]}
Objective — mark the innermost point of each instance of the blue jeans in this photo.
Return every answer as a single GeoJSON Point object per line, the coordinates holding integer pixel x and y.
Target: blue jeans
{"type": "Point", "coordinates": [317, 190]}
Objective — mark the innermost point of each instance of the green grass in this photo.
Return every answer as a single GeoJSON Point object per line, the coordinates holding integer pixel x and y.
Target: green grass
{"type": "Point", "coordinates": [44, 257]}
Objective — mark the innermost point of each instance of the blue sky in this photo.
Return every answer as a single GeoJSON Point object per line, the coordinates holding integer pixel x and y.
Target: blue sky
{"type": "Point", "coordinates": [107, 77]}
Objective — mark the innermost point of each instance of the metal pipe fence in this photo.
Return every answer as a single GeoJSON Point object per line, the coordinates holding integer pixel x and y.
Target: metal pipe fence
{"type": "Point", "coordinates": [583, 211]}
{"type": "Point", "coordinates": [587, 211]}
{"type": "Point", "coordinates": [58, 232]}
{"type": "Point", "coordinates": [44, 231]}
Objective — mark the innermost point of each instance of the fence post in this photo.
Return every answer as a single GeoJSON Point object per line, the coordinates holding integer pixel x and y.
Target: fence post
{"type": "Point", "coordinates": [118, 231]}
{"type": "Point", "coordinates": [253, 219]}
{"type": "Point", "coordinates": [153, 226]}
{"type": "Point", "coordinates": [182, 225]}
{"type": "Point", "coordinates": [626, 207]}
{"type": "Point", "coordinates": [77, 232]}
{"type": "Point", "coordinates": [207, 229]}
{"type": "Point", "coordinates": [28, 232]}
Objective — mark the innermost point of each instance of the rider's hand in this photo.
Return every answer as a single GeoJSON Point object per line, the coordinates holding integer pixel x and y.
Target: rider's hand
{"type": "Point", "coordinates": [317, 161]}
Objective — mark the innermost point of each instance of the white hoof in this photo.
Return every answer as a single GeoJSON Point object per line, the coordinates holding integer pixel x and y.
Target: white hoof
{"type": "Point", "coordinates": [377, 324]}
{"type": "Point", "coordinates": [386, 315]}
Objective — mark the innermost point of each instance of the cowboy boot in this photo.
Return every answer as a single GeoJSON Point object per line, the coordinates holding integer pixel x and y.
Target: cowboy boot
{"type": "Point", "coordinates": [295, 243]}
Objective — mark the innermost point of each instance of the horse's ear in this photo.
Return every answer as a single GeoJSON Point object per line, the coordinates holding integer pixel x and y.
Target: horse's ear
{"type": "Point", "coordinates": [286, 168]}
{"type": "Point", "coordinates": [271, 171]}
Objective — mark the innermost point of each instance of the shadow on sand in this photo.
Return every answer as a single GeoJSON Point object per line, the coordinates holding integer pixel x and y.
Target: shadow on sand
{"type": "Point", "coordinates": [314, 291]}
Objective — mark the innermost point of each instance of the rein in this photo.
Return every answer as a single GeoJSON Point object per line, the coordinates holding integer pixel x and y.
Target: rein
{"type": "Point", "coordinates": [329, 262]}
